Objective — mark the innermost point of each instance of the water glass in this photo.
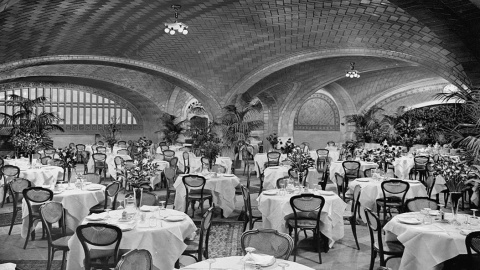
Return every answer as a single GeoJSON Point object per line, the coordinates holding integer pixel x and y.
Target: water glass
{"type": "Point", "coordinates": [162, 205]}
{"type": "Point", "coordinates": [152, 221]}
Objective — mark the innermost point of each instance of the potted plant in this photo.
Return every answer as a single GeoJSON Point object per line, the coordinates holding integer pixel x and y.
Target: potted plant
{"type": "Point", "coordinates": [111, 135]}
{"type": "Point", "coordinates": [172, 129]}
{"type": "Point", "coordinates": [273, 140]}
{"type": "Point", "coordinates": [300, 162]}
{"type": "Point", "coordinates": [211, 150]}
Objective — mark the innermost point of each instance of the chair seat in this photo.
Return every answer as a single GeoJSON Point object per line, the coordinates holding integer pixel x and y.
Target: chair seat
{"type": "Point", "coordinates": [61, 243]}
{"type": "Point", "coordinates": [100, 253]}
{"type": "Point", "coordinates": [392, 247]}
{"type": "Point", "coordinates": [199, 196]}
{"type": "Point", "coordinates": [192, 245]}
{"type": "Point", "coordinates": [303, 223]}
{"type": "Point", "coordinates": [390, 201]}
{"type": "Point", "coordinates": [256, 213]}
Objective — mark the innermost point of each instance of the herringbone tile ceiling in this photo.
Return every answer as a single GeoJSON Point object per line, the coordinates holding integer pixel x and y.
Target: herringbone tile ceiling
{"type": "Point", "coordinates": [239, 46]}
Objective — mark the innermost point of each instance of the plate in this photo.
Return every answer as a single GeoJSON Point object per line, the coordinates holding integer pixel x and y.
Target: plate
{"type": "Point", "coordinates": [228, 175]}
{"type": "Point", "coordinates": [124, 220]}
{"type": "Point", "coordinates": [434, 212]}
{"type": "Point", "coordinates": [93, 188]}
{"type": "Point", "coordinates": [362, 180]}
{"type": "Point", "coordinates": [175, 218]}
{"type": "Point", "coordinates": [409, 220]}
{"type": "Point", "coordinates": [57, 192]}
{"type": "Point", "coordinates": [326, 193]}
{"type": "Point", "coordinates": [270, 192]}
{"type": "Point", "coordinates": [270, 263]}
{"type": "Point", "coordinates": [95, 217]}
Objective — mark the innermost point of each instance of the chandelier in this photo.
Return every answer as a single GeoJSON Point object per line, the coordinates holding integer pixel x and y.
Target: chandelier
{"type": "Point", "coordinates": [352, 73]}
{"type": "Point", "coordinates": [171, 28]}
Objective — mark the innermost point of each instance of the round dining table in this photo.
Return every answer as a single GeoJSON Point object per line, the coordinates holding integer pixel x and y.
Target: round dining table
{"type": "Point", "coordinates": [427, 246]}
{"type": "Point", "coordinates": [76, 202]}
{"type": "Point", "coordinates": [236, 263]}
{"type": "Point", "coordinates": [37, 174]}
{"type": "Point", "coordinates": [162, 233]}
{"type": "Point", "coordinates": [222, 186]}
{"type": "Point", "coordinates": [336, 167]}
{"type": "Point", "coordinates": [275, 206]}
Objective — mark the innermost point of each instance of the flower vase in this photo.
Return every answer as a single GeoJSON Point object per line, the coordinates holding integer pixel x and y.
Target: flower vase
{"type": "Point", "coordinates": [69, 174]}
{"type": "Point", "coordinates": [455, 201]}
{"type": "Point", "coordinates": [30, 159]}
{"type": "Point", "coordinates": [138, 193]}
{"type": "Point", "coordinates": [301, 178]}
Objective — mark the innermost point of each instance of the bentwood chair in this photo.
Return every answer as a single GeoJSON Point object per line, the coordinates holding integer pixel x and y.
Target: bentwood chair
{"type": "Point", "coordinates": [282, 182]}
{"type": "Point", "coordinates": [351, 169]}
{"type": "Point", "coordinates": [111, 193]}
{"type": "Point", "coordinates": [100, 164]}
{"type": "Point", "coordinates": [37, 196]}
{"type": "Point", "coordinates": [195, 191]}
{"type": "Point", "coordinates": [168, 154]}
{"type": "Point", "coordinates": [170, 175]}
{"type": "Point", "coordinates": [430, 184]}
{"type": "Point", "coordinates": [418, 203]}
{"type": "Point", "coordinates": [199, 249]}
{"type": "Point", "coordinates": [16, 188]}
{"type": "Point", "coordinates": [122, 143]}
{"type": "Point", "coordinates": [268, 241]}
{"type": "Point", "coordinates": [354, 213]}
{"type": "Point", "coordinates": [393, 249]}
{"type": "Point", "coordinates": [420, 167]}
{"type": "Point", "coordinates": [94, 238]}
{"type": "Point", "coordinates": [251, 215]}
{"type": "Point", "coordinates": [206, 163]}
{"type": "Point", "coordinates": [173, 163]}
{"type": "Point", "coordinates": [101, 149]}
{"type": "Point", "coordinates": [368, 172]}
{"type": "Point", "coordinates": [341, 185]}
{"type": "Point", "coordinates": [50, 213]}
{"type": "Point", "coordinates": [247, 158]}
{"type": "Point", "coordinates": [100, 143]}
{"type": "Point", "coordinates": [136, 259]}
{"type": "Point", "coordinates": [46, 160]}
{"type": "Point", "coordinates": [148, 198]}
{"type": "Point", "coordinates": [186, 162]}
{"type": "Point", "coordinates": [81, 153]}
{"type": "Point", "coordinates": [261, 177]}
{"type": "Point", "coordinates": [472, 242]}
{"type": "Point", "coordinates": [307, 208]}
{"type": "Point", "coordinates": [218, 168]}
{"type": "Point", "coordinates": [273, 159]}
{"type": "Point", "coordinates": [8, 173]}
{"type": "Point", "coordinates": [49, 152]}
{"type": "Point", "coordinates": [394, 192]}
{"type": "Point", "coordinates": [119, 162]}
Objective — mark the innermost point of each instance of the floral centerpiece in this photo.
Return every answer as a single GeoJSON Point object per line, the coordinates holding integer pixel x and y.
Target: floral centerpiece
{"type": "Point", "coordinates": [143, 145]}
{"type": "Point", "coordinates": [27, 142]}
{"type": "Point", "coordinates": [300, 161]}
{"type": "Point", "coordinates": [349, 148]}
{"type": "Point", "coordinates": [211, 150]}
{"type": "Point", "coordinates": [380, 155]}
{"type": "Point", "coordinates": [287, 147]}
{"type": "Point", "coordinates": [68, 160]}
{"type": "Point", "coordinates": [273, 140]}
{"type": "Point", "coordinates": [112, 130]}
{"type": "Point", "coordinates": [456, 176]}
{"type": "Point", "coordinates": [138, 176]}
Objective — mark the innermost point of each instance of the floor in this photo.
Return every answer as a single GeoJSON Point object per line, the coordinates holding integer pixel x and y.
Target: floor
{"type": "Point", "coordinates": [343, 255]}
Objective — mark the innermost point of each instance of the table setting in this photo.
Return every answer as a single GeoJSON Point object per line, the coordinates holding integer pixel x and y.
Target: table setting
{"type": "Point", "coordinates": [428, 238]}
{"type": "Point", "coordinates": [271, 174]}
{"type": "Point", "coordinates": [147, 227]}
{"type": "Point", "coordinates": [336, 167]}
{"type": "Point", "coordinates": [274, 205]}
{"type": "Point", "coordinates": [37, 173]}
{"type": "Point", "coordinates": [76, 200]}
{"type": "Point", "coordinates": [222, 186]}
{"type": "Point", "coordinates": [239, 263]}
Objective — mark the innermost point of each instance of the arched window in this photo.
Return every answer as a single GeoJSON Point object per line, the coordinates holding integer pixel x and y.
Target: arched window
{"type": "Point", "coordinates": [78, 107]}
{"type": "Point", "coordinates": [318, 112]}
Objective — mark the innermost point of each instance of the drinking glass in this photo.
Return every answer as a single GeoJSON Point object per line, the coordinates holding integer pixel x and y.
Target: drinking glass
{"type": "Point", "coordinates": [283, 265]}
{"type": "Point", "coordinates": [210, 262]}
{"type": "Point", "coordinates": [162, 205]}
{"type": "Point", "coordinates": [250, 260]}
{"type": "Point", "coordinates": [474, 220]}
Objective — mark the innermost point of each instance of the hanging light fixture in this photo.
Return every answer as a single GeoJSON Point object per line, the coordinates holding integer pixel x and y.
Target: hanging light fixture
{"type": "Point", "coordinates": [171, 28]}
{"type": "Point", "coordinates": [352, 73]}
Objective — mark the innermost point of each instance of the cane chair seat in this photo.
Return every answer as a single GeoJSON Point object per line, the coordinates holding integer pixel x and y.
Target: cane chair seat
{"type": "Point", "coordinates": [394, 192]}
{"type": "Point", "coordinates": [273, 159]}
{"type": "Point", "coordinates": [418, 203]}
{"type": "Point", "coordinates": [195, 188]}
{"type": "Point", "coordinates": [168, 154]}
{"type": "Point", "coordinates": [472, 243]}
{"type": "Point", "coordinates": [111, 193]}
{"type": "Point", "coordinates": [137, 259]}
{"type": "Point", "coordinates": [391, 247]}
{"type": "Point", "coordinates": [123, 152]}
{"type": "Point", "coordinates": [269, 242]}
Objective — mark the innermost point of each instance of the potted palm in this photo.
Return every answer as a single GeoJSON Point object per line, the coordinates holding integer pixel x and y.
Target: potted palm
{"type": "Point", "coordinates": [172, 128]}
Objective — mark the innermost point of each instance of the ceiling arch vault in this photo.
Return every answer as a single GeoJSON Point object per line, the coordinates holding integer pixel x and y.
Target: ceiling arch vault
{"type": "Point", "coordinates": [280, 51]}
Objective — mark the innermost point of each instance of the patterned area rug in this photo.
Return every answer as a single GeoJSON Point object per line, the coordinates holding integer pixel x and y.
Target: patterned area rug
{"type": "Point", "coordinates": [224, 239]}
{"type": "Point", "coordinates": [6, 218]}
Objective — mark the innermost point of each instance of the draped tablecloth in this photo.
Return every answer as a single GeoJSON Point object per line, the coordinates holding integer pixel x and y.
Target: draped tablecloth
{"type": "Point", "coordinates": [261, 159]}
{"type": "Point", "coordinates": [77, 204]}
{"type": "Point", "coordinates": [236, 263]}
{"type": "Point", "coordinates": [336, 167]}
{"type": "Point", "coordinates": [402, 166]}
{"type": "Point", "coordinates": [164, 241]}
{"type": "Point", "coordinates": [426, 246]}
{"type": "Point", "coordinates": [110, 163]}
{"type": "Point", "coordinates": [272, 174]}
{"type": "Point", "coordinates": [223, 188]}
{"type": "Point", "coordinates": [372, 190]}
{"type": "Point", "coordinates": [275, 207]}
{"type": "Point", "coordinates": [196, 164]}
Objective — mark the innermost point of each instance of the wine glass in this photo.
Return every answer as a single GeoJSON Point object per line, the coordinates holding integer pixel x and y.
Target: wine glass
{"type": "Point", "coordinates": [283, 265]}
{"type": "Point", "coordinates": [249, 259]}
{"type": "Point", "coordinates": [210, 262]}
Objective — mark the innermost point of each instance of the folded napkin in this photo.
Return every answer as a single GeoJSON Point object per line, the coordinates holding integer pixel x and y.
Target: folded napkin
{"type": "Point", "coordinates": [260, 259]}
{"type": "Point", "coordinates": [148, 208]}
{"type": "Point", "coordinates": [126, 226]}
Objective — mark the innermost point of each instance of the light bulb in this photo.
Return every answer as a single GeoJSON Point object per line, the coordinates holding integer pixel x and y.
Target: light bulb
{"type": "Point", "coordinates": [172, 32]}
{"type": "Point", "coordinates": [346, 75]}
{"type": "Point", "coordinates": [167, 30]}
{"type": "Point", "coordinates": [185, 32]}
{"type": "Point", "coordinates": [358, 75]}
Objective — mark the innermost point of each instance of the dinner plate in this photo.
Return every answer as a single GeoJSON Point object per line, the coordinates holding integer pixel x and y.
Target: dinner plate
{"type": "Point", "coordinates": [93, 188]}
{"type": "Point", "coordinates": [175, 218]}
{"type": "Point", "coordinates": [57, 192]}
{"type": "Point", "coordinates": [326, 193]}
{"type": "Point", "coordinates": [95, 217]}
{"type": "Point", "coordinates": [228, 175]}
{"type": "Point", "coordinates": [270, 192]}
{"type": "Point", "coordinates": [409, 220]}
{"type": "Point", "coordinates": [434, 212]}
{"type": "Point", "coordinates": [362, 180]}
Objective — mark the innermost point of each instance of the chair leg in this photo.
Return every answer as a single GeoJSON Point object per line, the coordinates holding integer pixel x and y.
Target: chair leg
{"type": "Point", "coordinates": [49, 258]}
{"type": "Point", "coordinates": [5, 191]}
{"type": "Point", "coordinates": [245, 222]}
{"type": "Point", "coordinates": [319, 245]}
{"type": "Point", "coordinates": [64, 256]}
{"type": "Point", "coordinates": [295, 246]}
{"type": "Point", "coordinates": [372, 258]}
{"type": "Point", "coordinates": [14, 216]}
{"type": "Point", "coordinates": [353, 224]}
{"type": "Point", "coordinates": [30, 222]}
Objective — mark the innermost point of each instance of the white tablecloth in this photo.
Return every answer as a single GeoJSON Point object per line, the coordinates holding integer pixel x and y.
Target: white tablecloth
{"type": "Point", "coordinates": [223, 188]}
{"type": "Point", "coordinates": [164, 241]}
{"type": "Point", "coordinates": [77, 204]}
{"type": "Point", "coordinates": [275, 207]}
{"type": "Point", "coordinates": [402, 166]}
{"type": "Point", "coordinates": [196, 163]}
{"type": "Point", "coordinates": [372, 190]}
{"type": "Point", "coordinates": [261, 159]}
{"type": "Point", "coordinates": [336, 167]}
{"type": "Point", "coordinates": [426, 245]}
{"type": "Point", "coordinates": [110, 163]}
{"type": "Point", "coordinates": [272, 174]}
{"type": "Point", "coordinates": [236, 263]}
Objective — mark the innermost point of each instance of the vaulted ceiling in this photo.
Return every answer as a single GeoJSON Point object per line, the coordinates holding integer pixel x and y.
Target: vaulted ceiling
{"type": "Point", "coordinates": [241, 47]}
